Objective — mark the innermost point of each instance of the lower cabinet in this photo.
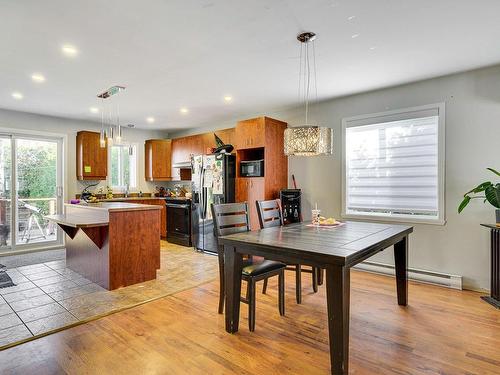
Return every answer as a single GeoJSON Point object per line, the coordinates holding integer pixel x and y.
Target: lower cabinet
{"type": "Point", "coordinates": [250, 190]}
{"type": "Point", "coordinates": [163, 213]}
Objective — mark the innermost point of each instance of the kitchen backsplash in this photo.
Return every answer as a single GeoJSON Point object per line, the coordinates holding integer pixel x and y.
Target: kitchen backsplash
{"type": "Point", "coordinates": [145, 186]}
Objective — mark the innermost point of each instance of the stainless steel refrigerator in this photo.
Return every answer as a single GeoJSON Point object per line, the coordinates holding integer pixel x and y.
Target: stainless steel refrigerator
{"type": "Point", "coordinates": [213, 182]}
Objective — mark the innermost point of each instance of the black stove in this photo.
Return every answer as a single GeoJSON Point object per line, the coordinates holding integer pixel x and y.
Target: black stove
{"type": "Point", "coordinates": [179, 220]}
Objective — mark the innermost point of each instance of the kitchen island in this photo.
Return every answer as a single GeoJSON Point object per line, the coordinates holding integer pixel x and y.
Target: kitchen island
{"type": "Point", "coordinates": [113, 244]}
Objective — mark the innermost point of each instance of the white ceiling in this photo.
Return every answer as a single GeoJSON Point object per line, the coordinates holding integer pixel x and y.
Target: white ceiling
{"type": "Point", "coordinates": [191, 53]}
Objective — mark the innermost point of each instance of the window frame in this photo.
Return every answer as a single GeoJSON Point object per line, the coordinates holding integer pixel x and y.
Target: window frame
{"type": "Point", "coordinates": [121, 189]}
{"type": "Point", "coordinates": [379, 117]}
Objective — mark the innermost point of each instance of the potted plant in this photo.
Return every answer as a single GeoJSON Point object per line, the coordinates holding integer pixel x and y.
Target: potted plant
{"type": "Point", "coordinates": [487, 191]}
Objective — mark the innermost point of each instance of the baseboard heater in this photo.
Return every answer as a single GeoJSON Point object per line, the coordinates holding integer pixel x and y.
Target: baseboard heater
{"type": "Point", "coordinates": [429, 277]}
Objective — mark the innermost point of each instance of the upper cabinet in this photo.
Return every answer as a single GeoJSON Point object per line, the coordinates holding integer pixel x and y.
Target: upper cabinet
{"type": "Point", "coordinates": [158, 159]}
{"type": "Point", "coordinates": [91, 158]}
{"type": "Point", "coordinates": [228, 136]}
{"type": "Point", "coordinates": [260, 139]}
{"type": "Point", "coordinates": [251, 133]}
{"type": "Point", "coordinates": [183, 148]}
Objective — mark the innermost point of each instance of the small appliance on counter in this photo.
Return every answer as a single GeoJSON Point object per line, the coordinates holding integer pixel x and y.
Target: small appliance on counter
{"type": "Point", "coordinates": [291, 205]}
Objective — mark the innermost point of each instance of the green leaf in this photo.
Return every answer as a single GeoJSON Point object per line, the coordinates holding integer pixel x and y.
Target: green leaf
{"type": "Point", "coordinates": [491, 196]}
{"type": "Point", "coordinates": [494, 171]}
{"type": "Point", "coordinates": [479, 188]}
{"type": "Point", "coordinates": [464, 203]}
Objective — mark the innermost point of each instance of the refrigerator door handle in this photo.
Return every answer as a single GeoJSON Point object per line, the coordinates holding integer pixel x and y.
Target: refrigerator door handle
{"type": "Point", "coordinates": [202, 195]}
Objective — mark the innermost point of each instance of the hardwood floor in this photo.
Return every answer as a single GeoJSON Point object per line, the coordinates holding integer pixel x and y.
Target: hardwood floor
{"type": "Point", "coordinates": [442, 331]}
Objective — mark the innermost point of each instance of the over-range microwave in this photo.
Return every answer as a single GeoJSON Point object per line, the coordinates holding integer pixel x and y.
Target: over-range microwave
{"type": "Point", "coordinates": [252, 168]}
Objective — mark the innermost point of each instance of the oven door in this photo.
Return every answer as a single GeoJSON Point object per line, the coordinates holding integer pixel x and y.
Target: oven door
{"type": "Point", "coordinates": [179, 223]}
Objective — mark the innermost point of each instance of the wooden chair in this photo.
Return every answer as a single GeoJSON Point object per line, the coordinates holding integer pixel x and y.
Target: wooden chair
{"type": "Point", "coordinates": [232, 218]}
{"type": "Point", "coordinates": [270, 215]}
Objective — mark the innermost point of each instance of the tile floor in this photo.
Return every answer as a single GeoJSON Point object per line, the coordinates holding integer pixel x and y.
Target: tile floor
{"type": "Point", "coordinates": [33, 306]}
{"type": "Point", "coordinates": [48, 296]}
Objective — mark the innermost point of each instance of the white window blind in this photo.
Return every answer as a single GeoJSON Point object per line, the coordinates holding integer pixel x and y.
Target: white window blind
{"type": "Point", "coordinates": [392, 165]}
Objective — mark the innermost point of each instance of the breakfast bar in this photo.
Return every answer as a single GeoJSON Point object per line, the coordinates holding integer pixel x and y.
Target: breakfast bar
{"type": "Point", "coordinates": [113, 244]}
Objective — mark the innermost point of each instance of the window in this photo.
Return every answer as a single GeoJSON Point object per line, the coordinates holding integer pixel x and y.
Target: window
{"type": "Point", "coordinates": [123, 162]}
{"type": "Point", "coordinates": [394, 165]}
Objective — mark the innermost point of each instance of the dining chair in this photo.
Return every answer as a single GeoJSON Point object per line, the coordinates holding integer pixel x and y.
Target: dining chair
{"type": "Point", "coordinates": [270, 215]}
{"type": "Point", "coordinates": [230, 218]}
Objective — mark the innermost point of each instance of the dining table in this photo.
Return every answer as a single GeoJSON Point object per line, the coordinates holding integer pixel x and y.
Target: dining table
{"type": "Point", "coordinates": [335, 249]}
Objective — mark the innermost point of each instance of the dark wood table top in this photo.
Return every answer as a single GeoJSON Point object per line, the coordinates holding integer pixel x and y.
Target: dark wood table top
{"type": "Point", "coordinates": [491, 226]}
{"type": "Point", "coordinates": [345, 245]}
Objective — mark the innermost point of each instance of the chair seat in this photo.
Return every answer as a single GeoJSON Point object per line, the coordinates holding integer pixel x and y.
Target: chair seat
{"type": "Point", "coordinates": [260, 268]}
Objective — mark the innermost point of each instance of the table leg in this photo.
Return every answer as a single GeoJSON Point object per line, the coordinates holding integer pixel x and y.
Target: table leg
{"type": "Point", "coordinates": [337, 294]}
{"type": "Point", "coordinates": [401, 263]}
{"type": "Point", "coordinates": [232, 267]}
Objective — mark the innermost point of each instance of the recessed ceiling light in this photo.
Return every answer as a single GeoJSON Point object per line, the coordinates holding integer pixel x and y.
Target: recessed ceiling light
{"type": "Point", "coordinates": [228, 98]}
{"type": "Point", "coordinates": [373, 48]}
{"type": "Point", "coordinates": [354, 36]}
{"type": "Point", "coordinates": [69, 50]}
{"type": "Point", "coordinates": [94, 109]}
{"type": "Point", "coordinates": [37, 77]}
{"type": "Point", "coordinates": [184, 110]}
{"type": "Point", "coordinates": [350, 18]}
{"type": "Point", "coordinates": [17, 95]}
{"type": "Point", "coordinates": [150, 120]}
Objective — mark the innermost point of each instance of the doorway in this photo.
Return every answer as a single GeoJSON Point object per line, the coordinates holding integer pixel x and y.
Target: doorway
{"type": "Point", "coordinates": [31, 175]}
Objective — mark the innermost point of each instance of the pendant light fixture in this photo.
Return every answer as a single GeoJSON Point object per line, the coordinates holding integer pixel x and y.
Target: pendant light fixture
{"type": "Point", "coordinates": [102, 136]}
{"type": "Point", "coordinates": [308, 139]}
{"type": "Point", "coordinates": [109, 135]}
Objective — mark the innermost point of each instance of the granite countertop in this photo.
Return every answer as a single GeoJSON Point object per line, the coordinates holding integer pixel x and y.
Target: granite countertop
{"type": "Point", "coordinates": [86, 215]}
{"type": "Point", "coordinates": [115, 206]}
{"type": "Point", "coordinates": [127, 199]}
{"type": "Point", "coordinates": [76, 221]}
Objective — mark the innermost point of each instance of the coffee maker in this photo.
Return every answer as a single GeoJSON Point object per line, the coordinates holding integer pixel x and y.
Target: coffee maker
{"type": "Point", "coordinates": [291, 205]}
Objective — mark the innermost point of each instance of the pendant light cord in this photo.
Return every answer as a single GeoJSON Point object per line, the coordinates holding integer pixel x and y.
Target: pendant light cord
{"type": "Point", "coordinates": [308, 69]}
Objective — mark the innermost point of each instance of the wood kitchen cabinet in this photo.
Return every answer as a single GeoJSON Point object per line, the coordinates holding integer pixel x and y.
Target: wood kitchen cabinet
{"type": "Point", "coordinates": [158, 160]}
{"type": "Point", "coordinates": [163, 214]}
{"type": "Point", "coordinates": [260, 139]}
{"type": "Point", "coordinates": [251, 133]}
{"type": "Point", "coordinates": [163, 211]}
{"type": "Point", "coordinates": [250, 190]}
{"type": "Point", "coordinates": [184, 147]}
{"type": "Point", "coordinates": [228, 136]}
{"type": "Point", "coordinates": [91, 158]}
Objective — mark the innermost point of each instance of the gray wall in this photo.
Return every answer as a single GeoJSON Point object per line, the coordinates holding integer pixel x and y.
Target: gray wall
{"type": "Point", "coordinates": [472, 143]}
{"type": "Point", "coordinates": [39, 123]}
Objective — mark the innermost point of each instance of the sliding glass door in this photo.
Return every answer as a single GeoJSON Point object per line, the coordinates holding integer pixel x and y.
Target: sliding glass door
{"type": "Point", "coordinates": [5, 192]}
{"type": "Point", "coordinates": [31, 167]}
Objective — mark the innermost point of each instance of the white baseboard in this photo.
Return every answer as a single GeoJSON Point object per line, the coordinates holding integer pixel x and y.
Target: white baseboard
{"type": "Point", "coordinates": [429, 277]}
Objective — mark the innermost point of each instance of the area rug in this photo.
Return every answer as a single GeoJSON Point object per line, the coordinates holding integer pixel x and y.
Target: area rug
{"type": "Point", "coordinates": [181, 268]}
{"type": "Point", "coordinates": [5, 280]}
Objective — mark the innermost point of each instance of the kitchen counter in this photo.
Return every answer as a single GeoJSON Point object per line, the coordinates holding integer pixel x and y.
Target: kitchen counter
{"type": "Point", "coordinates": [126, 199]}
{"type": "Point", "coordinates": [114, 206]}
{"type": "Point", "coordinates": [113, 244]}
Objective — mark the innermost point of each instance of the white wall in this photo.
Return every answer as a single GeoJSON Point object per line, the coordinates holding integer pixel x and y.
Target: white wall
{"type": "Point", "coordinates": [39, 123]}
{"type": "Point", "coordinates": [472, 144]}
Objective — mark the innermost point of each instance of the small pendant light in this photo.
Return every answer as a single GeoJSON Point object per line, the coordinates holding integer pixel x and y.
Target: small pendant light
{"type": "Point", "coordinates": [109, 136]}
{"type": "Point", "coordinates": [102, 135]}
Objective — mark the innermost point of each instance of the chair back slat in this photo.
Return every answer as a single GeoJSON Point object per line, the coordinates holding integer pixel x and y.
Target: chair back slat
{"type": "Point", "coordinates": [269, 213]}
{"type": "Point", "coordinates": [230, 218]}
{"type": "Point", "coordinates": [230, 230]}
